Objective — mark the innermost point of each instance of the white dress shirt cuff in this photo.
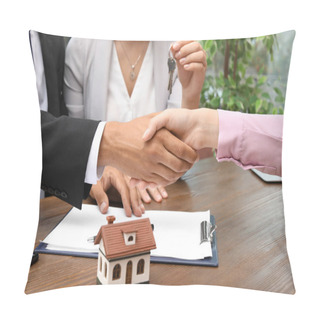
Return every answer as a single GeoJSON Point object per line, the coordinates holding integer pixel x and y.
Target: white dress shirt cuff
{"type": "Point", "coordinates": [93, 172]}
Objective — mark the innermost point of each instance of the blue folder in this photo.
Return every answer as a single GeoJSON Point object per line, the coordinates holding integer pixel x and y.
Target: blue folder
{"type": "Point", "coordinates": [209, 261]}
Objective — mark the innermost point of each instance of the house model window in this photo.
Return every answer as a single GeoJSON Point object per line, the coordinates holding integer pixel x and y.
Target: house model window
{"type": "Point", "coordinates": [116, 272]}
{"type": "Point", "coordinates": [140, 269]}
{"type": "Point", "coordinates": [129, 238]}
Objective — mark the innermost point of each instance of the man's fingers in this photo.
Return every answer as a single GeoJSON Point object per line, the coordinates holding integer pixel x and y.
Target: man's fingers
{"type": "Point", "coordinates": [120, 184]}
{"type": "Point", "coordinates": [134, 182]}
{"type": "Point", "coordinates": [137, 206]}
{"type": "Point", "coordinates": [100, 196]}
{"type": "Point", "coordinates": [141, 184]}
{"type": "Point", "coordinates": [180, 150]}
{"type": "Point", "coordinates": [171, 159]}
{"type": "Point", "coordinates": [135, 199]}
{"type": "Point", "coordinates": [163, 192]}
{"type": "Point", "coordinates": [155, 194]}
{"type": "Point", "coordinates": [144, 195]}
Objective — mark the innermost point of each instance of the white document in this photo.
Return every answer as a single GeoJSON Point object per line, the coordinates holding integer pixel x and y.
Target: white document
{"type": "Point", "coordinates": [177, 233]}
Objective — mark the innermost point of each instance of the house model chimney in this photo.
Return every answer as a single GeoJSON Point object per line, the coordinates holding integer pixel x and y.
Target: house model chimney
{"type": "Point", "coordinates": [110, 219]}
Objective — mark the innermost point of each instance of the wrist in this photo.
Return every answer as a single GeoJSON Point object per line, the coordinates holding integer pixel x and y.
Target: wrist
{"type": "Point", "coordinates": [209, 124]}
{"type": "Point", "coordinates": [190, 101]}
{"type": "Point", "coordinates": [107, 145]}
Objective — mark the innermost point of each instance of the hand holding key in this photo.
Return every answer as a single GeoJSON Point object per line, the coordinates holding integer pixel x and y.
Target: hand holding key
{"type": "Point", "coordinates": [171, 67]}
{"type": "Point", "coordinates": [191, 64]}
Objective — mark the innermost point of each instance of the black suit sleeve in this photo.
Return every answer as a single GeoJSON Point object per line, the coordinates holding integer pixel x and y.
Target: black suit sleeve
{"type": "Point", "coordinates": [53, 54]}
{"type": "Point", "coordinates": [66, 144]}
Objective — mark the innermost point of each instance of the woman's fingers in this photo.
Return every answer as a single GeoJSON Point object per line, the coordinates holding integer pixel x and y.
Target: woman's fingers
{"type": "Point", "coordinates": [155, 124]}
{"type": "Point", "coordinates": [187, 49]}
{"type": "Point", "coordinates": [198, 57]}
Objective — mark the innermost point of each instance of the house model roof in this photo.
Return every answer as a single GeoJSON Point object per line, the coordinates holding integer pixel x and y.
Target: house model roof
{"type": "Point", "coordinates": [112, 236]}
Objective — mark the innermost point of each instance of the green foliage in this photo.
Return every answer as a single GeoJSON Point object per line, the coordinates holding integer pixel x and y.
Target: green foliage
{"type": "Point", "coordinates": [240, 82]}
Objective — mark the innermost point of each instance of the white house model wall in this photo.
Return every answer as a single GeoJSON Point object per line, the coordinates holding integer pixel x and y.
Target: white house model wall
{"type": "Point", "coordinates": [106, 270]}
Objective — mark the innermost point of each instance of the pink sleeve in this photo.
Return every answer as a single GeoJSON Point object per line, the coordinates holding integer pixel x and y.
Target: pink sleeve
{"type": "Point", "coordinates": [251, 140]}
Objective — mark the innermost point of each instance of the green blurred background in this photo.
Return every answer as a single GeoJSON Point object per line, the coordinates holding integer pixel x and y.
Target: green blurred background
{"type": "Point", "coordinates": [248, 75]}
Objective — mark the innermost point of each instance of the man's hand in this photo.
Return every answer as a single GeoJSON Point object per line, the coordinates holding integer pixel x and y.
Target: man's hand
{"type": "Point", "coordinates": [130, 197]}
{"type": "Point", "coordinates": [161, 161]}
{"type": "Point", "coordinates": [157, 193]}
{"type": "Point", "coordinates": [191, 64]}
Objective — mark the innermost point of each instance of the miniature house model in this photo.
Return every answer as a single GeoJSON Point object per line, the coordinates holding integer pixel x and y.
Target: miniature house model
{"type": "Point", "coordinates": [124, 252]}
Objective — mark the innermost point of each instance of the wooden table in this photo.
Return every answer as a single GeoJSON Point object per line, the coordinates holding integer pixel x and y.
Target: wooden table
{"type": "Point", "coordinates": [250, 234]}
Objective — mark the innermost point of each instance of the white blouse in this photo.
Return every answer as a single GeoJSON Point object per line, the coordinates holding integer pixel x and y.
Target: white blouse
{"type": "Point", "coordinates": [95, 89]}
{"type": "Point", "coordinates": [120, 106]}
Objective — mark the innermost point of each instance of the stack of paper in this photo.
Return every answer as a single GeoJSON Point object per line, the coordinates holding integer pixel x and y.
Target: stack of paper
{"type": "Point", "coordinates": [177, 233]}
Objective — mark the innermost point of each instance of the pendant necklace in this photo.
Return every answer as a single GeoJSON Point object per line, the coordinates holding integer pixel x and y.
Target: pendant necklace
{"type": "Point", "coordinates": [132, 73]}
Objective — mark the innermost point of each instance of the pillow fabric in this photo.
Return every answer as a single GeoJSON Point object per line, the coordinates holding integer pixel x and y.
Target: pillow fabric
{"type": "Point", "coordinates": [80, 83]}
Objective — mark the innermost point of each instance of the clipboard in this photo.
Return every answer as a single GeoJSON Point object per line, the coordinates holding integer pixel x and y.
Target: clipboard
{"type": "Point", "coordinates": [207, 233]}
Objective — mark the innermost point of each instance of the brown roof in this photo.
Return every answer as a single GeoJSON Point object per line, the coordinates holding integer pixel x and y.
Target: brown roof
{"type": "Point", "coordinates": [113, 239]}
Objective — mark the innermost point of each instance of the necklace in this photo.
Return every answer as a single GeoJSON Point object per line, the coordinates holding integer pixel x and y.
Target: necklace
{"type": "Point", "coordinates": [132, 73]}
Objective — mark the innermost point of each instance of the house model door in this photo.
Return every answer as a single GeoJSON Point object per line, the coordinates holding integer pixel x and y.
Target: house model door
{"type": "Point", "coordinates": [129, 273]}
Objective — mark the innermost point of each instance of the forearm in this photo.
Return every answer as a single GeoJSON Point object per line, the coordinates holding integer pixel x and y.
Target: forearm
{"type": "Point", "coordinates": [251, 140]}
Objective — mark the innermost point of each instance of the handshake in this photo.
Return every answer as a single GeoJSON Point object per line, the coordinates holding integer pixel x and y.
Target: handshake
{"type": "Point", "coordinates": [152, 151]}
{"type": "Point", "coordinates": [157, 158]}
{"type": "Point", "coordinates": [146, 154]}
{"type": "Point", "coordinates": [130, 154]}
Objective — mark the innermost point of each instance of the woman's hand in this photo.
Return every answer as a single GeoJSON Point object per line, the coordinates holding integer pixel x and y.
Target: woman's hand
{"type": "Point", "coordinates": [197, 128]}
{"type": "Point", "coordinates": [131, 197]}
{"type": "Point", "coordinates": [191, 64]}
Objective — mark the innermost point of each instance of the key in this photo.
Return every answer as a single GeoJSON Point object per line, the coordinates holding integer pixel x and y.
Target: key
{"type": "Point", "coordinates": [172, 67]}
